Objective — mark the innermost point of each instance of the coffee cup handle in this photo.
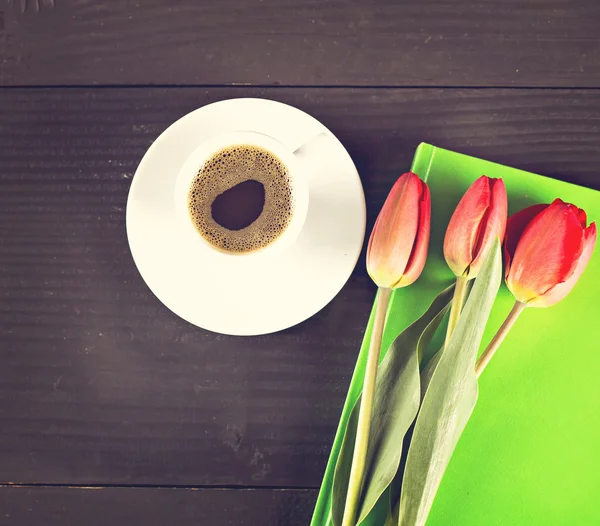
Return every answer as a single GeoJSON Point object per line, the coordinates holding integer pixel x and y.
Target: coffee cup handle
{"type": "Point", "coordinates": [302, 150]}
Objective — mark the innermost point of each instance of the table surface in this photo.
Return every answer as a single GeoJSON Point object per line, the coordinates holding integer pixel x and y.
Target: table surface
{"type": "Point", "coordinates": [112, 409]}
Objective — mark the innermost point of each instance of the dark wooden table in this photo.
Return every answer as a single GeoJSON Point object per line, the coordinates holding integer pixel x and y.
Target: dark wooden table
{"type": "Point", "coordinates": [112, 409]}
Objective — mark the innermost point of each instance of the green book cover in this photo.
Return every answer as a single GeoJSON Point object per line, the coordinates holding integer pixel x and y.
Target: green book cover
{"type": "Point", "coordinates": [530, 454]}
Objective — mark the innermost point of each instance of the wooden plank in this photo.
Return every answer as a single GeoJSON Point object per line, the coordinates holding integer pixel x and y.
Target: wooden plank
{"type": "Point", "coordinates": [301, 42]}
{"type": "Point", "coordinates": [101, 384]}
{"type": "Point", "coordinates": [97, 506]}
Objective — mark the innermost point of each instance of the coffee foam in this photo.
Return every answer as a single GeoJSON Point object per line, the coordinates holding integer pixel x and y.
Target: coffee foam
{"type": "Point", "coordinates": [228, 168]}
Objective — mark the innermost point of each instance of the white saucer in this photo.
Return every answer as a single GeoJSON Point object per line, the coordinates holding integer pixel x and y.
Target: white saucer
{"type": "Point", "coordinates": [277, 292]}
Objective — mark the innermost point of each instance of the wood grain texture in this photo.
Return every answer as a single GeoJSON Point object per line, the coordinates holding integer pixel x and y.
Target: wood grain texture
{"type": "Point", "coordinates": [301, 42]}
{"type": "Point", "coordinates": [101, 384]}
{"type": "Point", "coordinates": [65, 506]}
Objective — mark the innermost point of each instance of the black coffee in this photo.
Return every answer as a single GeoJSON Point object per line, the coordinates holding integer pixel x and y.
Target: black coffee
{"type": "Point", "coordinates": [239, 206]}
{"type": "Point", "coordinates": [241, 200]}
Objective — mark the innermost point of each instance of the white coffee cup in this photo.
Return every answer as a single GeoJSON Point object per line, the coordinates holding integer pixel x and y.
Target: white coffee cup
{"type": "Point", "coordinates": [297, 171]}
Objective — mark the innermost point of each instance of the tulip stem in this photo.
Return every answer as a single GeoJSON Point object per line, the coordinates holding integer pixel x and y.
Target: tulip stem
{"type": "Point", "coordinates": [487, 355]}
{"type": "Point", "coordinates": [458, 301]}
{"type": "Point", "coordinates": [363, 427]}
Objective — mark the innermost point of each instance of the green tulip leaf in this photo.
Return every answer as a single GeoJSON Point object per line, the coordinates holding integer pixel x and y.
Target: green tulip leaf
{"type": "Point", "coordinates": [427, 373]}
{"type": "Point", "coordinates": [392, 516]}
{"type": "Point", "coordinates": [393, 494]}
{"type": "Point", "coordinates": [395, 406]}
{"type": "Point", "coordinates": [449, 400]}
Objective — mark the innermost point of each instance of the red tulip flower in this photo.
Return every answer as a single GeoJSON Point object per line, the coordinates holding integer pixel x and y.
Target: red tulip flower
{"type": "Point", "coordinates": [395, 258]}
{"type": "Point", "coordinates": [400, 238]}
{"type": "Point", "coordinates": [479, 218]}
{"type": "Point", "coordinates": [546, 248]}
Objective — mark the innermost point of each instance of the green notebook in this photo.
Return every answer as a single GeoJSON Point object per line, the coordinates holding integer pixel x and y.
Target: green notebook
{"type": "Point", "coordinates": [530, 455]}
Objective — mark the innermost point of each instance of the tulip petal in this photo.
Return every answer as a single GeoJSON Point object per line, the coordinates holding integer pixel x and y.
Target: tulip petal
{"type": "Point", "coordinates": [461, 235]}
{"type": "Point", "coordinates": [579, 213]}
{"type": "Point", "coordinates": [547, 252]}
{"type": "Point", "coordinates": [418, 257]}
{"type": "Point", "coordinates": [558, 292]}
{"type": "Point", "coordinates": [492, 226]}
{"type": "Point", "coordinates": [515, 226]}
{"type": "Point", "coordinates": [394, 233]}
